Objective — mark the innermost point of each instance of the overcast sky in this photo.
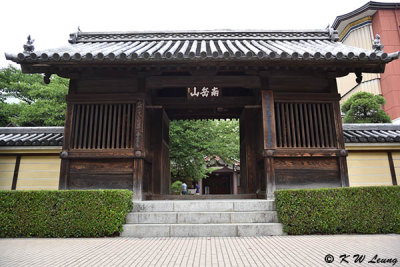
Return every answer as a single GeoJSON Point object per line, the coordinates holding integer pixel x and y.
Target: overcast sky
{"type": "Point", "coordinates": [50, 21]}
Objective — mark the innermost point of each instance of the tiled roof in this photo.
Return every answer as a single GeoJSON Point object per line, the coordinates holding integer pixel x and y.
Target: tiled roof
{"type": "Point", "coordinates": [52, 136]}
{"type": "Point", "coordinates": [197, 45]}
{"type": "Point", "coordinates": [31, 136]}
{"type": "Point", "coordinates": [371, 133]}
{"type": "Point", "coordinates": [366, 10]}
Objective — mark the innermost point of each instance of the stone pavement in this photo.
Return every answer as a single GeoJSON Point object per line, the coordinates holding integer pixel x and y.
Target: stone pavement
{"type": "Point", "coordinates": [201, 251]}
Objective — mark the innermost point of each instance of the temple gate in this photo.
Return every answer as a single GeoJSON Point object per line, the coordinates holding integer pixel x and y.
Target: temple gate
{"type": "Point", "coordinates": [126, 87]}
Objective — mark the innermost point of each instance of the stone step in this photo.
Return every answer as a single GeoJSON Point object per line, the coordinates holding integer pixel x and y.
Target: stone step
{"type": "Point", "coordinates": [201, 230]}
{"type": "Point", "coordinates": [203, 205]}
{"type": "Point", "coordinates": [202, 217]}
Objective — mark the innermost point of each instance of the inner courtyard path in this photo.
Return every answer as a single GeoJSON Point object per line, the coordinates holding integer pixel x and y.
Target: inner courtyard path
{"type": "Point", "coordinates": [203, 251]}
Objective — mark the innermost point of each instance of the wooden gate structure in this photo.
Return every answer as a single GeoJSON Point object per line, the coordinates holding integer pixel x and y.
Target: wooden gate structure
{"type": "Point", "coordinates": [126, 87]}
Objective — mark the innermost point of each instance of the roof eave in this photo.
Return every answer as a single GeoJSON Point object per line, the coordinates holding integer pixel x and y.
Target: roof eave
{"type": "Point", "coordinates": [368, 6]}
{"type": "Point", "coordinates": [327, 65]}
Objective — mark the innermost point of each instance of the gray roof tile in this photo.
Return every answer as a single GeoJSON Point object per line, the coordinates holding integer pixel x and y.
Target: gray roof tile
{"type": "Point", "coordinates": [156, 46]}
{"type": "Point", "coordinates": [31, 136]}
{"type": "Point", "coordinates": [53, 136]}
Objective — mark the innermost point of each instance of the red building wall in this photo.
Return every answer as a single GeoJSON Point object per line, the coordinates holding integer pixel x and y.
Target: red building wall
{"type": "Point", "coordinates": [386, 24]}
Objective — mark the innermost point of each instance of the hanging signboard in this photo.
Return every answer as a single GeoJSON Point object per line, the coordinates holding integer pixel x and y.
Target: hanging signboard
{"type": "Point", "coordinates": [203, 92]}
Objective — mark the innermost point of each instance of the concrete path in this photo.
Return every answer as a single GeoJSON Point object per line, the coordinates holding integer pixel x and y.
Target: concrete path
{"type": "Point", "coordinates": [202, 251]}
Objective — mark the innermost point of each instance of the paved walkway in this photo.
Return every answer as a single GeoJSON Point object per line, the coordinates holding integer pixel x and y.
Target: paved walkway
{"type": "Point", "coordinates": [213, 251]}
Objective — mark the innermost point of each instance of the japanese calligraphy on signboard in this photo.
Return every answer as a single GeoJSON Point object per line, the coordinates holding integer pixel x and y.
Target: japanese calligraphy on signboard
{"type": "Point", "coordinates": [203, 92]}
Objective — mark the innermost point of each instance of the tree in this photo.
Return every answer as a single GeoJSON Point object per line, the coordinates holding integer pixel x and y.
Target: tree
{"type": "Point", "coordinates": [36, 104]}
{"type": "Point", "coordinates": [365, 107]}
{"type": "Point", "coordinates": [191, 141]}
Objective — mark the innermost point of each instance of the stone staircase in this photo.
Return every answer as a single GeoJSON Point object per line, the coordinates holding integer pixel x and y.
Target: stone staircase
{"type": "Point", "coordinates": [195, 218]}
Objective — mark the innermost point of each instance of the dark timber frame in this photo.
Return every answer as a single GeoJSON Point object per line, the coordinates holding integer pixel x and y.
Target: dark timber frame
{"type": "Point", "coordinates": [290, 127]}
{"type": "Point", "coordinates": [126, 87]}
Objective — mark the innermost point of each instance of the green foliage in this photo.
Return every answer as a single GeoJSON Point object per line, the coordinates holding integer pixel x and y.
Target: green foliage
{"type": "Point", "coordinates": [176, 187]}
{"type": "Point", "coordinates": [37, 104]}
{"type": "Point", "coordinates": [191, 141]}
{"type": "Point", "coordinates": [70, 213]}
{"type": "Point", "coordinates": [365, 107]}
{"type": "Point", "coordinates": [363, 210]}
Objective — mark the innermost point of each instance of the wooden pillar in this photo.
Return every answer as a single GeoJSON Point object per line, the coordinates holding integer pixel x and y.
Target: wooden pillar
{"type": "Point", "coordinates": [248, 148]}
{"type": "Point", "coordinates": [392, 168]}
{"type": "Point", "coordinates": [63, 182]}
{"type": "Point", "coordinates": [138, 164]}
{"type": "Point", "coordinates": [269, 140]}
{"type": "Point", "coordinates": [344, 177]}
{"type": "Point", "coordinates": [201, 186]}
{"type": "Point", "coordinates": [234, 177]}
{"type": "Point", "coordinates": [160, 151]}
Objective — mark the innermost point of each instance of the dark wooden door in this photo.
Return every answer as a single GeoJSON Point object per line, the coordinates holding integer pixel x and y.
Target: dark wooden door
{"type": "Point", "coordinates": [221, 184]}
{"type": "Point", "coordinates": [160, 150]}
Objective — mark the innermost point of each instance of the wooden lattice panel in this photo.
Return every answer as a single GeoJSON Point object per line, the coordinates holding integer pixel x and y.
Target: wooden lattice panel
{"type": "Point", "coordinates": [102, 126]}
{"type": "Point", "coordinates": [309, 125]}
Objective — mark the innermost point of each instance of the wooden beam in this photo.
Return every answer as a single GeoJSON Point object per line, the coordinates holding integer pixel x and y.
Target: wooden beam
{"type": "Point", "coordinates": [138, 169]}
{"type": "Point", "coordinates": [268, 119]}
{"type": "Point", "coordinates": [183, 102]}
{"type": "Point", "coordinates": [155, 82]}
{"type": "Point", "coordinates": [306, 97]}
{"type": "Point", "coordinates": [16, 171]}
{"type": "Point", "coordinates": [104, 98]}
{"type": "Point", "coordinates": [392, 169]}
{"type": "Point", "coordinates": [269, 140]}
{"type": "Point", "coordinates": [305, 152]}
{"type": "Point", "coordinates": [102, 154]}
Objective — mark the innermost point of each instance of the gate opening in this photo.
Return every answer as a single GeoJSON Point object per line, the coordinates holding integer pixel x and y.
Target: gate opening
{"type": "Point", "coordinates": [204, 154]}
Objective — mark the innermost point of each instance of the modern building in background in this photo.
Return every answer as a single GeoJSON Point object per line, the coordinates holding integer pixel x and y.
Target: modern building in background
{"type": "Point", "coordinates": [358, 28]}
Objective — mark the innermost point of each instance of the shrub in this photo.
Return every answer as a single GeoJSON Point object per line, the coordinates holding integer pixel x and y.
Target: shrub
{"type": "Point", "coordinates": [176, 187]}
{"type": "Point", "coordinates": [69, 213]}
{"type": "Point", "coordinates": [364, 210]}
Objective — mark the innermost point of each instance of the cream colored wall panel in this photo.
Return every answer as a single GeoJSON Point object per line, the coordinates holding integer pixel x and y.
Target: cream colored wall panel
{"type": "Point", "coordinates": [7, 166]}
{"type": "Point", "coordinates": [38, 188]}
{"type": "Point", "coordinates": [38, 175]}
{"type": "Point", "coordinates": [363, 38]}
{"type": "Point", "coordinates": [370, 184]}
{"type": "Point", "coordinates": [368, 169]}
{"type": "Point", "coordinates": [37, 182]}
{"type": "Point", "coordinates": [39, 166]}
{"type": "Point", "coordinates": [372, 86]}
{"type": "Point", "coordinates": [41, 159]}
{"type": "Point", "coordinates": [396, 163]}
{"type": "Point", "coordinates": [38, 172]}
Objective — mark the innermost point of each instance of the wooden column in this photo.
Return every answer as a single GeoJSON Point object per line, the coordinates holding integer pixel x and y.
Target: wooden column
{"type": "Point", "coordinates": [138, 164]}
{"type": "Point", "coordinates": [160, 151]}
{"type": "Point", "coordinates": [392, 168]}
{"type": "Point", "coordinates": [16, 171]}
{"type": "Point", "coordinates": [63, 182]}
{"type": "Point", "coordinates": [234, 177]}
{"type": "Point", "coordinates": [248, 149]}
{"type": "Point", "coordinates": [269, 135]}
{"type": "Point", "coordinates": [344, 177]}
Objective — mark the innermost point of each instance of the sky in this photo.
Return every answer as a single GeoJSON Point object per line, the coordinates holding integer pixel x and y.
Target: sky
{"type": "Point", "coordinates": [50, 22]}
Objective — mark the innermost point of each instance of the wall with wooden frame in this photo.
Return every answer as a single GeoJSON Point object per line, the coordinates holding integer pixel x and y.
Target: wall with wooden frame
{"type": "Point", "coordinates": [373, 164]}
{"type": "Point", "coordinates": [303, 140]}
{"type": "Point", "coordinates": [30, 169]}
{"type": "Point", "coordinates": [368, 165]}
{"type": "Point", "coordinates": [110, 120]}
{"type": "Point", "coordinates": [103, 139]}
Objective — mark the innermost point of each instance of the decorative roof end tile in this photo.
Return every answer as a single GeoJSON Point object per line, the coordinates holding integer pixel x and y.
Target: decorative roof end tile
{"type": "Point", "coordinates": [333, 34]}
{"type": "Point", "coordinates": [28, 47]}
{"type": "Point", "coordinates": [377, 45]}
